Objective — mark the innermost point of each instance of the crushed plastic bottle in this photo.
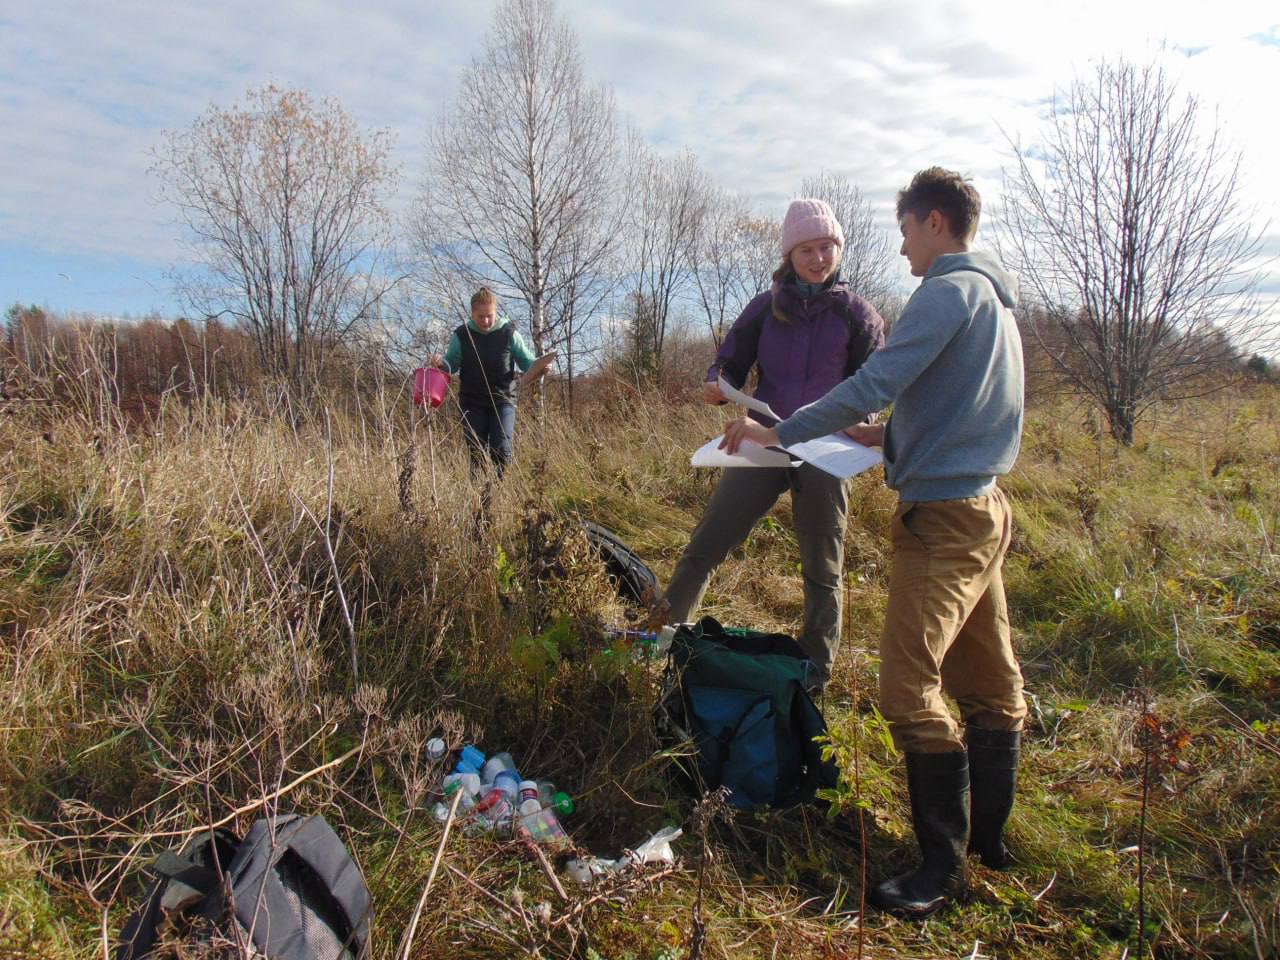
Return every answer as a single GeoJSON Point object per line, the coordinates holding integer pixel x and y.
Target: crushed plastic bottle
{"type": "Point", "coordinates": [657, 849]}
{"type": "Point", "coordinates": [541, 826]}
{"type": "Point", "coordinates": [587, 871]}
{"type": "Point", "coordinates": [495, 809]}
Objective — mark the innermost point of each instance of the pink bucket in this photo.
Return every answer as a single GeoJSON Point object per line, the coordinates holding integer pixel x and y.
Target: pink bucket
{"type": "Point", "coordinates": [430, 386]}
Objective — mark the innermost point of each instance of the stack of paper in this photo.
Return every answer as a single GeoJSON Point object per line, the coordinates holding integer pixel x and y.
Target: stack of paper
{"type": "Point", "coordinates": [837, 454]}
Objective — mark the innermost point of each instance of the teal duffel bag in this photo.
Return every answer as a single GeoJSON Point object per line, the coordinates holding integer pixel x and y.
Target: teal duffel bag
{"type": "Point", "coordinates": [739, 696]}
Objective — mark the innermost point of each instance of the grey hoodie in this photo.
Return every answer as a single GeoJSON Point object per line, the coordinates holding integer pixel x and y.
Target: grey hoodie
{"type": "Point", "coordinates": [952, 368]}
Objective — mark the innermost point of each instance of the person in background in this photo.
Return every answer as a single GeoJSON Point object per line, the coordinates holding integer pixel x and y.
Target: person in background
{"type": "Point", "coordinates": [804, 335]}
{"type": "Point", "coordinates": [952, 367]}
{"type": "Point", "coordinates": [486, 352]}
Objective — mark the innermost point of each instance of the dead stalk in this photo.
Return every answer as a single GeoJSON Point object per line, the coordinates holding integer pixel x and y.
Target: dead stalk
{"type": "Point", "coordinates": [431, 876]}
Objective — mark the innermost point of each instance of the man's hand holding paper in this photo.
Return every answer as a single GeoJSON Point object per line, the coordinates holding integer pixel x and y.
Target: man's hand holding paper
{"type": "Point", "coordinates": [840, 454]}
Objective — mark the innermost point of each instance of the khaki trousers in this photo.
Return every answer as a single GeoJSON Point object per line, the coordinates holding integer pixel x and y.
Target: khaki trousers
{"type": "Point", "coordinates": [819, 504]}
{"type": "Point", "coordinates": [946, 626]}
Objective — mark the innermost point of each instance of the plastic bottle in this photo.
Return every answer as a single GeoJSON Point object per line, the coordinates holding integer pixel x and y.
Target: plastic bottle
{"type": "Point", "coordinates": [468, 801]}
{"type": "Point", "coordinates": [555, 799]}
{"type": "Point", "coordinates": [470, 783]}
{"type": "Point", "coordinates": [665, 636]}
{"type": "Point", "coordinates": [529, 802]}
{"type": "Point", "coordinates": [542, 826]}
{"type": "Point", "coordinates": [496, 808]}
{"type": "Point", "coordinates": [470, 760]}
{"type": "Point", "coordinates": [508, 783]}
{"type": "Point", "coordinates": [495, 765]}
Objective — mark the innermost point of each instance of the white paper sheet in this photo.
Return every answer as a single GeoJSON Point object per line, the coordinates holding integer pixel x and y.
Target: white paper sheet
{"type": "Point", "coordinates": [748, 455]}
{"type": "Point", "coordinates": [733, 395]}
{"type": "Point", "coordinates": [836, 453]}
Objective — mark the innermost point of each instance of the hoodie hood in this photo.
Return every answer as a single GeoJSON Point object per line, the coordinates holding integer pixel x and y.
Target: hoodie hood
{"type": "Point", "coordinates": [497, 325]}
{"type": "Point", "coordinates": [1004, 282]}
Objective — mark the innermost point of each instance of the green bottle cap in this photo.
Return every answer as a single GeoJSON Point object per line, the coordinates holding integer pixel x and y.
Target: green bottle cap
{"type": "Point", "coordinates": [562, 803]}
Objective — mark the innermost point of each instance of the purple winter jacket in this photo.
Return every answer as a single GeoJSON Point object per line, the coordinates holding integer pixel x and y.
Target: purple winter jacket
{"type": "Point", "coordinates": [831, 334]}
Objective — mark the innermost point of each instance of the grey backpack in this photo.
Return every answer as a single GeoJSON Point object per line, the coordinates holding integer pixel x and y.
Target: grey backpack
{"type": "Point", "coordinates": [288, 891]}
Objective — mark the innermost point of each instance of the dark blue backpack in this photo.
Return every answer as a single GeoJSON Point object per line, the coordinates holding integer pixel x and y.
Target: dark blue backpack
{"type": "Point", "coordinates": [739, 696]}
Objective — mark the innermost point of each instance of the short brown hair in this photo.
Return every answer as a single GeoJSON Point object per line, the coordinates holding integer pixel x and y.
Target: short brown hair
{"type": "Point", "coordinates": [947, 192]}
{"type": "Point", "coordinates": [483, 296]}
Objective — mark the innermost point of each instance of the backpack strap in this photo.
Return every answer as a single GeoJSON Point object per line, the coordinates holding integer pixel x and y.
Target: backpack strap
{"type": "Point", "coordinates": [861, 343]}
{"type": "Point", "coordinates": [184, 882]}
{"type": "Point", "coordinates": [185, 885]}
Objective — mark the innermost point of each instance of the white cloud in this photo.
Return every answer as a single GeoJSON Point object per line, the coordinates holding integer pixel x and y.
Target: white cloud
{"type": "Point", "coordinates": [764, 93]}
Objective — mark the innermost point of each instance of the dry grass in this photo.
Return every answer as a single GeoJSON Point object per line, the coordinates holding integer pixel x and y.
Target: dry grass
{"type": "Point", "coordinates": [248, 612]}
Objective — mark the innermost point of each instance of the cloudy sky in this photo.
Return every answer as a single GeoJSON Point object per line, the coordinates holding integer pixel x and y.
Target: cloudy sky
{"type": "Point", "coordinates": [765, 93]}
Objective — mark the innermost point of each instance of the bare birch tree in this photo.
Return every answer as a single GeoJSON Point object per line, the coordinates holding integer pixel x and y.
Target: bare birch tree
{"type": "Point", "coordinates": [284, 198]}
{"type": "Point", "coordinates": [522, 172]}
{"type": "Point", "coordinates": [758, 241]}
{"type": "Point", "coordinates": [1127, 225]}
{"type": "Point", "coordinates": [724, 261]}
{"type": "Point", "coordinates": [869, 252]}
{"type": "Point", "coordinates": [668, 212]}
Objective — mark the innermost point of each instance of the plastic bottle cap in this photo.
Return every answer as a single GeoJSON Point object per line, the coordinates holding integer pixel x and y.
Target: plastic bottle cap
{"type": "Point", "coordinates": [562, 802]}
{"type": "Point", "coordinates": [436, 748]}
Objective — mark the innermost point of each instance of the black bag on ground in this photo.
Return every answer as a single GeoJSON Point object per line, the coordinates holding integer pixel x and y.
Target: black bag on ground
{"type": "Point", "coordinates": [288, 891]}
{"type": "Point", "coordinates": [739, 696]}
{"type": "Point", "coordinates": [630, 575]}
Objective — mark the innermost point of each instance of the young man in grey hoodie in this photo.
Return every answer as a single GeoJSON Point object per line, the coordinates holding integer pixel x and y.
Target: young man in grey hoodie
{"type": "Point", "coordinates": [952, 368]}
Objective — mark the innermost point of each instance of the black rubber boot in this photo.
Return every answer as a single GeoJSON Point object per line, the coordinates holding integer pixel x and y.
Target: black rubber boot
{"type": "Point", "coordinates": [939, 788]}
{"type": "Point", "coordinates": [993, 775]}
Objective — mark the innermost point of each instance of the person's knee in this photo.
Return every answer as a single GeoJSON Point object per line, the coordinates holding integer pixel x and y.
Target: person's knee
{"type": "Point", "coordinates": [930, 733]}
{"type": "Point", "coordinates": [994, 714]}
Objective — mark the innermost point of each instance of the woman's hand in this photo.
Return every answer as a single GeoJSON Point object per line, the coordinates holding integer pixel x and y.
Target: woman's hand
{"type": "Point", "coordinates": [711, 393]}
{"type": "Point", "coordinates": [867, 434]}
{"type": "Point", "coordinates": [736, 431]}
{"type": "Point", "coordinates": [437, 361]}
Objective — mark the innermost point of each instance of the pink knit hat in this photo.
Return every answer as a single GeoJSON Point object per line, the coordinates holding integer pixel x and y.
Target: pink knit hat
{"type": "Point", "coordinates": [809, 219]}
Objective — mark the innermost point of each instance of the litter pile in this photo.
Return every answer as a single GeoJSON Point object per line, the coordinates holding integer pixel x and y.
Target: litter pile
{"type": "Point", "coordinates": [489, 796]}
{"type": "Point", "coordinates": [493, 798]}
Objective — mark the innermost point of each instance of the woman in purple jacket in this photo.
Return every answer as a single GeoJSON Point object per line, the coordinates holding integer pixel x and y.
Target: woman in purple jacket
{"type": "Point", "coordinates": [805, 335]}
